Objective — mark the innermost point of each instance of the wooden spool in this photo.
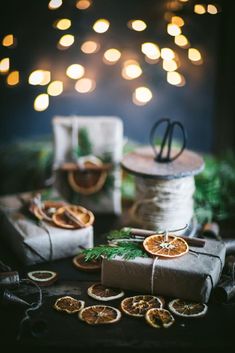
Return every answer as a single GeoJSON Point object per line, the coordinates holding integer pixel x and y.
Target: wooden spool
{"type": "Point", "coordinates": [141, 162]}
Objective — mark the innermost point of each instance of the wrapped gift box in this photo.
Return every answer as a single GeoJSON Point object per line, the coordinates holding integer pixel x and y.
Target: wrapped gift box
{"type": "Point", "coordinates": [99, 137]}
{"type": "Point", "coordinates": [35, 242]}
{"type": "Point", "coordinates": [190, 277]}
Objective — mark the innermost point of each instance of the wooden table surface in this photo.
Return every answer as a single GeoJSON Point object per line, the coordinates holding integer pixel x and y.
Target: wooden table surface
{"type": "Point", "coordinates": [66, 333]}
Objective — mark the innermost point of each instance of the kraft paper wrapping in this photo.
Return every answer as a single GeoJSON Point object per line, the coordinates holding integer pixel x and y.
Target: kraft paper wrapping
{"type": "Point", "coordinates": [106, 137]}
{"type": "Point", "coordinates": [190, 277]}
{"type": "Point", "coordinates": [34, 243]}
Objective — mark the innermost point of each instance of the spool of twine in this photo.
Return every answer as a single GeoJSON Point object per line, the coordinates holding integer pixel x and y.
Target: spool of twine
{"type": "Point", "coordinates": [163, 204]}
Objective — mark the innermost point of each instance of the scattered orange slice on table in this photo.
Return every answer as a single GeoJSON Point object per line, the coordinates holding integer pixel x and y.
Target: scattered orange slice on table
{"type": "Point", "coordinates": [43, 277]}
{"type": "Point", "coordinates": [187, 309]}
{"type": "Point", "coordinates": [90, 179]}
{"type": "Point", "coordinates": [140, 304]}
{"type": "Point", "coordinates": [88, 266]}
{"type": "Point", "coordinates": [159, 318]}
{"type": "Point", "coordinates": [47, 210]}
{"type": "Point", "coordinates": [165, 246]}
{"type": "Point", "coordinates": [69, 305]}
{"type": "Point", "coordinates": [100, 292]}
{"type": "Point", "coordinates": [100, 314]}
{"type": "Point", "coordinates": [72, 216]}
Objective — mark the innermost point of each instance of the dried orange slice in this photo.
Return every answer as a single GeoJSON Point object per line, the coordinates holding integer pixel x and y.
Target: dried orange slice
{"type": "Point", "coordinates": [69, 305]}
{"type": "Point", "coordinates": [100, 292]}
{"type": "Point", "coordinates": [72, 216]}
{"type": "Point", "coordinates": [88, 266]}
{"type": "Point", "coordinates": [47, 209]}
{"type": "Point", "coordinates": [43, 277]}
{"type": "Point", "coordinates": [159, 318]}
{"type": "Point", "coordinates": [140, 304]}
{"type": "Point", "coordinates": [187, 309]}
{"type": "Point", "coordinates": [90, 179]}
{"type": "Point", "coordinates": [165, 246]}
{"type": "Point", "coordinates": [100, 314]}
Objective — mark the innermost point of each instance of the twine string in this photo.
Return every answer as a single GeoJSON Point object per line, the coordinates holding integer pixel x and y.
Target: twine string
{"type": "Point", "coordinates": [163, 204]}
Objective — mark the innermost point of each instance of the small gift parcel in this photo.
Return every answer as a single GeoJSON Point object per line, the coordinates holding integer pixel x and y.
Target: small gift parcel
{"type": "Point", "coordinates": [190, 277]}
{"type": "Point", "coordinates": [34, 241]}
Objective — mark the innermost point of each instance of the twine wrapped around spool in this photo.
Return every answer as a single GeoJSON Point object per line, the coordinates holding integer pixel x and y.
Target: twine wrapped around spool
{"type": "Point", "coordinates": [164, 187]}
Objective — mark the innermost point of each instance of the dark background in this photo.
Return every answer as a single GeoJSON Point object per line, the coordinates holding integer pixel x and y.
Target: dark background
{"type": "Point", "coordinates": [204, 104]}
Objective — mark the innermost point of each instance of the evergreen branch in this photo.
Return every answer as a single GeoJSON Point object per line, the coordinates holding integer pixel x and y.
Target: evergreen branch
{"type": "Point", "coordinates": [126, 250]}
{"type": "Point", "coordinates": [119, 234]}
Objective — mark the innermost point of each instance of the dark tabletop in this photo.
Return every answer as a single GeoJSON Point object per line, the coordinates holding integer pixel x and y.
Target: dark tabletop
{"type": "Point", "coordinates": [66, 333]}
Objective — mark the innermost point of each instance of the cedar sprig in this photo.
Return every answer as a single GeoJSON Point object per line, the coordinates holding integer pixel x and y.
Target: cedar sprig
{"type": "Point", "coordinates": [127, 250]}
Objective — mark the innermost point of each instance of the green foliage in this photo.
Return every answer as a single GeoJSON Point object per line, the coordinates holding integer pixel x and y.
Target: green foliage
{"type": "Point", "coordinates": [84, 143]}
{"type": "Point", "coordinates": [127, 250]}
{"type": "Point", "coordinates": [119, 234]}
{"type": "Point", "coordinates": [215, 189]}
{"type": "Point", "coordinates": [25, 165]}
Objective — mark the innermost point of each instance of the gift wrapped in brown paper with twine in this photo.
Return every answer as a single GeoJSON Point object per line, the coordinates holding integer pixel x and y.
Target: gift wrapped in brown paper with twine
{"type": "Point", "coordinates": [35, 242]}
{"type": "Point", "coordinates": [87, 156]}
{"type": "Point", "coordinates": [190, 277]}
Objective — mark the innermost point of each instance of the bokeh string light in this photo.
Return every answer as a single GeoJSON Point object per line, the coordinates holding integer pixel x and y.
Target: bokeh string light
{"type": "Point", "coordinates": [131, 65]}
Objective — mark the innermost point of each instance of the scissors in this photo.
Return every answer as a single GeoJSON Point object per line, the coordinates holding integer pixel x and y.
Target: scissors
{"type": "Point", "coordinates": [167, 140]}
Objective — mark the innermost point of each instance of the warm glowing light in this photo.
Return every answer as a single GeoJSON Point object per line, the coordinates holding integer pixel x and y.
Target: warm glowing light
{"type": "Point", "coordinates": [212, 9]}
{"type": "Point", "coordinates": [41, 102]}
{"type": "Point", "coordinates": [75, 71]}
{"type": "Point", "coordinates": [13, 78]}
{"type": "Point", "coordinates": [85, 85]}
{"type": "Point", "coordinates": [111, 56]}
{"type": "Point", "coordinates": [173, 29]}
{"type": "Point", "coordinates": [8, 40]}
{"type": "Point", "coordinates": [176, 20]}
{"type": "Point", "coordinates": [40, 77]}
{"type": "Point", "coordinates": [170, 65]}
{"type": "Point", "coordinates": [90, 47]}
{"type": "Point", "coordinates": [181, 41]}
{"type": "Point", "coordinates": [194, 54]}
{"type": "Point", "coordinates": [151, 50]}
{"type": "Point", "coordinates": [142, 95]}
{"type": "Point", "coordinates": [183, 0]}
{"type": "Point", "coordinates": [63, 23]}
{"type": "Point", "coordinates": [55, 88]}
{"type": "Point", "coordinates": [55, 4]}
{"type": "Point", "coordinates": [4, 65]}
{"type": "Point", "coordinates": [199, 9]}
{"type": "Point", "coordinates": [167, 54]}
{"type": "Point", "coordinates": [131, 70]}
{"type": "Point", "coordinates": [137, 25]}
{"type": "Point", "coordinates": [175, 79]}
{"type": "Point", "coordinates": [66, 41]}
{"type": "Point", "coordinates": [83, 4]}
{"type": "Point", "coordinates": [101, 25]}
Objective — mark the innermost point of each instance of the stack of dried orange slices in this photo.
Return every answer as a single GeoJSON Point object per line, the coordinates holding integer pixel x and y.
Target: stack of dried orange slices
{"type": "Point", "coordinates": [61, 214]}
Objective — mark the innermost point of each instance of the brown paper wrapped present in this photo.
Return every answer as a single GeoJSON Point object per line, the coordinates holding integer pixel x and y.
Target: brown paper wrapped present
{"type": "Point", "coordinates": [190, 277]}
{"type": "Point", "coordinates": [35, 242]}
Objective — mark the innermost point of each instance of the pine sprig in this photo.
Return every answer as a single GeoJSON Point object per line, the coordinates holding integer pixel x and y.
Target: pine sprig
{"type": "Point", "coordinates": [119, 234]}
{"type": "Point", "coordinates": [124, 249]}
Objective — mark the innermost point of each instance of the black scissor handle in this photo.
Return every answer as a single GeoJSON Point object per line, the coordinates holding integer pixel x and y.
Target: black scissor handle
{"type": "Point", "coordinates": [167, 140]}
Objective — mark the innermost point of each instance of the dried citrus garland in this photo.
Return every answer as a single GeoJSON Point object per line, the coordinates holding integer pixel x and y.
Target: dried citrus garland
{"type": "Point", "coordinates": [168, 246]}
